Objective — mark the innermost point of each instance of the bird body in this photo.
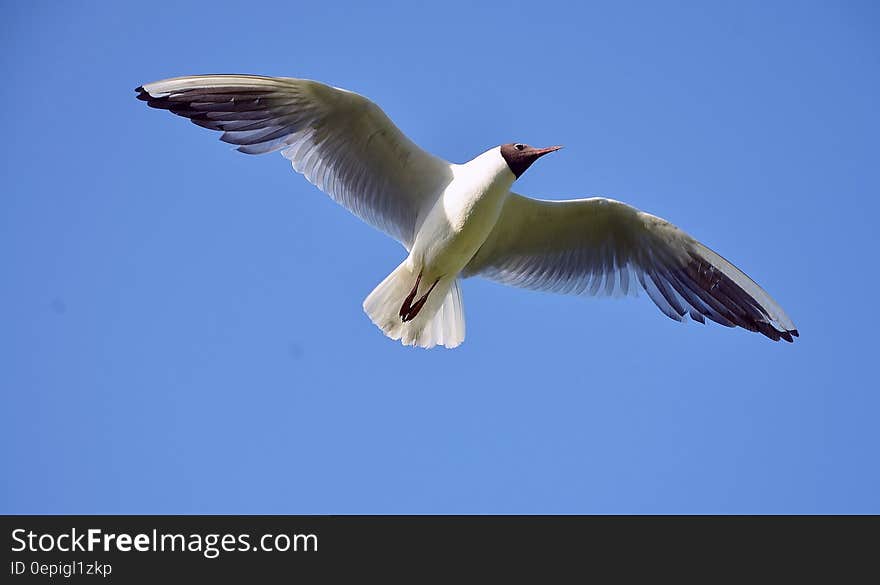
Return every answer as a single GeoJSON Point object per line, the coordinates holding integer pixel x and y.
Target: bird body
{"type": "Point", "coordinates": [455, 226]}
{"type": "Point", "coordinates": [462, 220]}
{"type": "Point", "coordinates": [464, 214]}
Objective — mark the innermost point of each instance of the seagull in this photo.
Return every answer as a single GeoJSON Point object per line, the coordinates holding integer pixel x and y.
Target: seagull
{"type": "Point", "coordinates": [461, 220]}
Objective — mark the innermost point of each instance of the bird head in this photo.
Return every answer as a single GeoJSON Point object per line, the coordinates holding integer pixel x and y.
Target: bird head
{"type": "Point", "coordinates": [520, 156]}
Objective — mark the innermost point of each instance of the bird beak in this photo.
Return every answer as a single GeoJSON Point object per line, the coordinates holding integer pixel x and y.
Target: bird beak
{"type": "Point", "coordinates": [548, 150]}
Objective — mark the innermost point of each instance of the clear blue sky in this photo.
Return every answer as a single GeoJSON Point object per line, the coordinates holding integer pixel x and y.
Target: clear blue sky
{"type": "Point", "coordinates": [166, 343]}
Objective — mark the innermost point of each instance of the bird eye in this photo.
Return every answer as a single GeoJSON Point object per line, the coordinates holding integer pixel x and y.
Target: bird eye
{"type": "Point", "coordinates": [519, 146]}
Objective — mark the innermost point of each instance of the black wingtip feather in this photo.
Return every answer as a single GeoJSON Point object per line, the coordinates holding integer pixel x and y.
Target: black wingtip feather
{"type": "Point", "coordinates": [142, 94]}
{"type": "Point", "coordinates": [789, 335]}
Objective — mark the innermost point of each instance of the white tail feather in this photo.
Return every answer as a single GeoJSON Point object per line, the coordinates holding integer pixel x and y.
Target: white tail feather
{"type": "Point", "coordinates": [440, 321]}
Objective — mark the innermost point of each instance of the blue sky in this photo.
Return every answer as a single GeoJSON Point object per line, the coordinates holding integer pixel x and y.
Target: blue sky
{"type": "Point", "coordinates": [166, 346]}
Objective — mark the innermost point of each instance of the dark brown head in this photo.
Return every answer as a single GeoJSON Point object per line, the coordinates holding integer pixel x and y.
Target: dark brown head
{"type": "Point", "coordinates": [519, 156]}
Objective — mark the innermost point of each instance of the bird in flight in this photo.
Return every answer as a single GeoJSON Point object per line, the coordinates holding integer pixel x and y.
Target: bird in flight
{"type": "Point", "coordinates": [462, 220]}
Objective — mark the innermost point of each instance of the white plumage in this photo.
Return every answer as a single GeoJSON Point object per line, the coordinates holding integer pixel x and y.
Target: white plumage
{"type": "Point", "coordinates": [457, 221]}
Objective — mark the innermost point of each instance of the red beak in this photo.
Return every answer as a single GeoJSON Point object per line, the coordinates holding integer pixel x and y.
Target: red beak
{"type": "Point", "coordinates": [548, 150]}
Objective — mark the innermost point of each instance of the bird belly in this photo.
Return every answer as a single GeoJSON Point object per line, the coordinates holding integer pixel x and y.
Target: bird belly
{"type": "Point", "coordinates": [455, 229]}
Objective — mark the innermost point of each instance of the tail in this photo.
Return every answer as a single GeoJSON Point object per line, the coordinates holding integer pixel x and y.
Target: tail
{"type": "Point", "coordinates": [439, 321]}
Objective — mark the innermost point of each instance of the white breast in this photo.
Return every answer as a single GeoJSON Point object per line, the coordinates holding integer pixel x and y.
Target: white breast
{"type": "Point", "coordinates": [464, 215]}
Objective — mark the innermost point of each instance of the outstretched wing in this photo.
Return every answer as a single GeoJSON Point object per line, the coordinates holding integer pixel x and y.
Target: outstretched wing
{"type": "Point", "coordinates": [601, 246]}
{"type": "Point", "coordinates": [342, 142]}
